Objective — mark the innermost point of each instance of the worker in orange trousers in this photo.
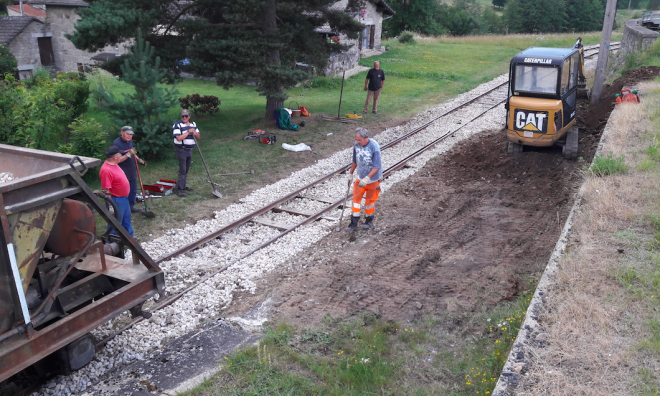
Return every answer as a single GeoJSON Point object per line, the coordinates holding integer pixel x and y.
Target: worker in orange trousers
{"type": "Point", "coordinates": [366, 160]}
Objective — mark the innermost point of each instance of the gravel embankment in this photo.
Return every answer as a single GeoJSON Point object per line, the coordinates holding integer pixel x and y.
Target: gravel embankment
{"type": "Point", "coordinates": [208, 299]}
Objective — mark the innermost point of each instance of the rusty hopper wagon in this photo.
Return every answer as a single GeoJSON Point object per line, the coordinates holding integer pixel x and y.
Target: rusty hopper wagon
{"type": "Point", "coordinates": [57, 280]}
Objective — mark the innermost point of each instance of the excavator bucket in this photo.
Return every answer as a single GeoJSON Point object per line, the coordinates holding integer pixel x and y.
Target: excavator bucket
{"type": "Point", "coordinates": [584, 92]}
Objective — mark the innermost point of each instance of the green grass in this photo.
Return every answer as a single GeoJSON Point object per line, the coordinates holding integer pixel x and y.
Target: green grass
{"type": "Point", "coordinates": [375, 356]}
{"type": "Point", "coordinates": [418, 76]}
{"type": "Point", "coordinates": [608, 165]}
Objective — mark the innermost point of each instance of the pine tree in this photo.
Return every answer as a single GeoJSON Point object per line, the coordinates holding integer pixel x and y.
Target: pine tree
{"type": "Point", "coordinates": [146, 109]}
{"type": "Point", "coordinates": [233, 41]}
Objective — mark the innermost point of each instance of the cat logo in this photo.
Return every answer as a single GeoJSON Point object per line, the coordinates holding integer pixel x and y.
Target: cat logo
{"type": "Point", "coordinates": [531, 121]}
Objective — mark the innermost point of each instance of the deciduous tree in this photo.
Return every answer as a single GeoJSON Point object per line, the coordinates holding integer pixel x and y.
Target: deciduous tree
{"type": "Point", "coordinates": [536, 16]}
{"type": "Point", "coordinates": [585, 15]}
{"type": "Point", "coordinates": [8, 63]}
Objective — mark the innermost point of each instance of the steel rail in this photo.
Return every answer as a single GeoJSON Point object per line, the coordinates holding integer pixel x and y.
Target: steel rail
{"type": "Point", "coordinates": [313, 217]}
{"type": "Point", "coordinates": [307, 220]}
{"type": "Point", "coordinates": [265, 209]}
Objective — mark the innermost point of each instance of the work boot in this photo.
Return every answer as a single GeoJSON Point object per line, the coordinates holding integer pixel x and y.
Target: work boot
{"type": "Point", "coordinates": [181, 194]}
{"type": "Point", "coordinates": [369, 223]}
{"type": "Point", "coordinates": [136, 210]}
{"type": "Point", "coordinates": [189, 189]}
{"type": "Point", "coordinates": [354, 224]}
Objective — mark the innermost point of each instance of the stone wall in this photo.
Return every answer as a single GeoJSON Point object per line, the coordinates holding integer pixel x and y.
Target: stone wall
{"type": "Point", "coordinates": [350, 59]}
{"type": "Point", "coordinates": [67, 57]}
{"type": "Point", "coordinates": [637, 38]}
{"type": "Point", "coordinates": [25, 48]}
{"type": "Point", "coordinates": [343, 61]}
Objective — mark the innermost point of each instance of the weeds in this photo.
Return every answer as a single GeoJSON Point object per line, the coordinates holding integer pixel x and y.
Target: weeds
{"type": "Point", "coordinates": [487, 360]}
{"type": "Point", "coordinates": [407, 38]}
{"type": "Point", "coordinates": [373, 356]}
{"type": "Point", "coordinates": [609, 165]}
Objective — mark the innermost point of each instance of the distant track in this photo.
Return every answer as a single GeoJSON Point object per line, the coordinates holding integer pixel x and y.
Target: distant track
{"type": "Point", "coordinates": [488, 101]}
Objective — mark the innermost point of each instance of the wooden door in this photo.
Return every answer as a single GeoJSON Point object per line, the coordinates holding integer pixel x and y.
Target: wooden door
{"type": "Point", "coordinates": [372, 36]}
{"type": "Point", "coordinates": [46, 51]}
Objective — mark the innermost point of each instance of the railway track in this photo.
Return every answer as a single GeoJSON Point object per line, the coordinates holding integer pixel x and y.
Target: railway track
{"type": "Point", "coordinates": [484, 102]}
{"type": "Point", "coordinates": [478, 106]}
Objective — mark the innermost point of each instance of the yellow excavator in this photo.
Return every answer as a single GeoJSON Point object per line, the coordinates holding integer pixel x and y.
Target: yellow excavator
{"type": "Point", "coordinates": [544, 84]}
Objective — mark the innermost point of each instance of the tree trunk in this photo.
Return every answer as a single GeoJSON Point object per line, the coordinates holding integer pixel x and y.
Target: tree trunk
{"type": "Point", "coordinates": [270, 28]}
{"type": "Point", "coordinates": [271, 105]}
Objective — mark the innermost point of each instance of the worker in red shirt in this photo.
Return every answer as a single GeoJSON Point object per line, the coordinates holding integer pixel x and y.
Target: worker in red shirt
{"type": "Point", "coordinates": [115, 183]}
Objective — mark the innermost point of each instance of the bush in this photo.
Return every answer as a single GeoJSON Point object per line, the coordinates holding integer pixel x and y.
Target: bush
{"type": "Point", "coordinates": [87, 139]}
{"type": "Point", "coordinates": [198, 104]}
{"type": "Point", "coordinates": [8, 63]}
{"type": "Point", "coordinates": [40, 117]}
{"type": "Point", "coordinates": [406, 37]}
{"type": "Point", "coordinates": [71, 93]}
{"type": "Point", "coordinates": [40, 77]}
{"type": "Point", "coordinates": [99, 81]}
{"type": "Point", "coordinates": [610, 165]}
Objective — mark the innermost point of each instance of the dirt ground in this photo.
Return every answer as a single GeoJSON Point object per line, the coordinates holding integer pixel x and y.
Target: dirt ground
{"type": "Point", "coordinates": [470, 229]}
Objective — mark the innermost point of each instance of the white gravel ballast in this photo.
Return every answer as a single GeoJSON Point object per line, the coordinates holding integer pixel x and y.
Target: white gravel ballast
{"type": "Point", "coordinates": [208, 299]}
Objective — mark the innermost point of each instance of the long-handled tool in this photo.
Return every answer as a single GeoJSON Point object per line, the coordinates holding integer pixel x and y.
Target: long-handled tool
{"type": "Point", "coordinates": [251, 172]}
{"type": "Point", "coordinates": [343, 77]}
{"type": "Point", "coordinates": [147, 213]}
{"type": "Point", "coordinates": [215, 190]}
{"type": "Point", "coordinates": [341, 218]}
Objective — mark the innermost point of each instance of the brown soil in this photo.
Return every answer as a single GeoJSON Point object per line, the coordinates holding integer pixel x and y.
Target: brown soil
{"type": "Point", "coordinates": [466, 231]}
{"type": "Point", "coordinates": [596, 115]}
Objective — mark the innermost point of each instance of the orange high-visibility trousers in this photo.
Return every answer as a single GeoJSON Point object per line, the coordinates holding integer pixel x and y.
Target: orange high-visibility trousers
{"type": "Point", "coordinates": [372, 190]}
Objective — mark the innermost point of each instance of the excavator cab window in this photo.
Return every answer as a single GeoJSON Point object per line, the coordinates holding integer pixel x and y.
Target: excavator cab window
{"type": "Point", "coordinates": [565, 76]}
{"type": "Point", "coordinates": [575, 62]}
{"type": "Point", "coordinates": [535, 79]}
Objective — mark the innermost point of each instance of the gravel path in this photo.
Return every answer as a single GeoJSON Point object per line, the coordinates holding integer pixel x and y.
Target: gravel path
{"type": "Point", "coordinates": [210, 298]}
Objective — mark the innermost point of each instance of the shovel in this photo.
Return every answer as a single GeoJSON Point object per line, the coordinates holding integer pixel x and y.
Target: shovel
{"type": "Point", "coordinates": [341, 218]}
{"type": "Point", "coordinates": [147, 213]}
{"type": "Point", "coordinates": [215, 190]}
{"type": "Point", "coordinates": [251, 172]}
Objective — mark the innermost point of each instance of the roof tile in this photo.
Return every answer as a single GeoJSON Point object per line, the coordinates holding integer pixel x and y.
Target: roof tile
{"type": "Point", "coordinates": [11, 26]}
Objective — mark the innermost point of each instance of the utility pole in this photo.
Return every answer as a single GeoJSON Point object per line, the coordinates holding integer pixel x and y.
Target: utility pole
{"type": "Point", "coordinates": [604, 50]}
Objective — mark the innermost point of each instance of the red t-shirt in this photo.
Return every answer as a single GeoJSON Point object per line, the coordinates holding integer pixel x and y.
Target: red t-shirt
{"type": "Point", "coordinates": [114, 178]}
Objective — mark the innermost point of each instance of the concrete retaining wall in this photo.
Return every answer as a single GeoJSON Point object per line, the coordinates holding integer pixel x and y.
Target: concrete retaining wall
{"type": "Point", "coordinates": [637, 38]}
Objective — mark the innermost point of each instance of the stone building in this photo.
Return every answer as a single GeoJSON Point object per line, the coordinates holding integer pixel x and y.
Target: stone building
{"type": "Point", "coordinates": [44, 44]}
{"type": "Point", "coordinates": [371, 17]}
{"type": "Point", "coordinates": [61, 17]}
{"type": "Point", "coordinates": [23, 35]}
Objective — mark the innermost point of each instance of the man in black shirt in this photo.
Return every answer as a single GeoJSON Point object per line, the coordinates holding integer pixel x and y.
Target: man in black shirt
{"type": "Point", "coordinates": [374, 84]}
{"type": "Point", "coordinates": [127, 163]}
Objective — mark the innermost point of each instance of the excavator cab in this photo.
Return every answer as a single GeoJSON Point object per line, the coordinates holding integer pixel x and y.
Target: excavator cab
{"type": "Point", "coordinates": [544, 84]}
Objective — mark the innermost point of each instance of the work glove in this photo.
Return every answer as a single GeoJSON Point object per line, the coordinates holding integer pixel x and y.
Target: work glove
{"type": "Point", "coordinates": [364, 181]}
{"type": "Point", "coordinates": [142, 162]}
{"type": "Point", "coordinates": [129, 154]}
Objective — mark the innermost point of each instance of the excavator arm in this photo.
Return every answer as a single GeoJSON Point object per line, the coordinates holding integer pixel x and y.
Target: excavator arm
{"type": "Point", "coordinates": [582, 89]}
